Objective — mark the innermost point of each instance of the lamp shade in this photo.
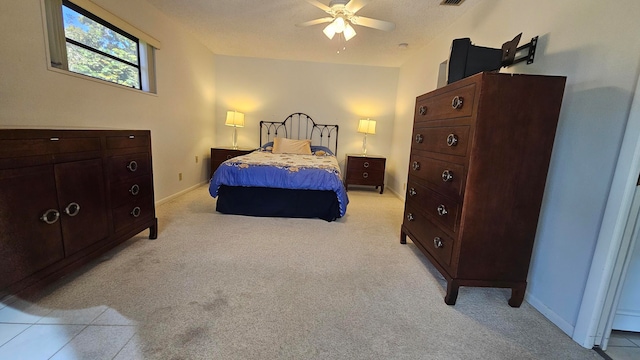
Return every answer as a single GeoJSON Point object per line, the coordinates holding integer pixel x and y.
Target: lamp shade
{"type": "Point", "coordinates": [367, 126]}
{"type": "Point", "coordinates": [234, 118]}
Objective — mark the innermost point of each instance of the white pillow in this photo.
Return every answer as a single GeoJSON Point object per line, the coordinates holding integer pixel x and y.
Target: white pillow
{"type": "Point", "coordinates": [289, 146]}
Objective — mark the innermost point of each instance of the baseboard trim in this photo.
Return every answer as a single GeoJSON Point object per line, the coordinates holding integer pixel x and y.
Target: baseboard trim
{"type": "Point", "coordinates": [171, 197]}
{"type": "Point", "coordinates": [550, 314]}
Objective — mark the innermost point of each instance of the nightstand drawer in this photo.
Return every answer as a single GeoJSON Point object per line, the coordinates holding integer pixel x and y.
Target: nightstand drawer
{"type": "Point", "coordinates": [367, 164]}
{"type": "Point", "coordinates": [365, 177]}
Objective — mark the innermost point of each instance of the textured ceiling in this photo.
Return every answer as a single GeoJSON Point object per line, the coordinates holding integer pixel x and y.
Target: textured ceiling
{"type": "Point", "coordinates": [266, 28]}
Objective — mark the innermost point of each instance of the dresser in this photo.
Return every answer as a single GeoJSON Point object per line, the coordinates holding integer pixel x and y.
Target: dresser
{"type": "Point", "coordinates": [364, 170]}
{"type": "Point", "coordinates": [67, 196]}
{"type": "Point", "coordinates": [479, 157]}
{"type": "Point", "coordinates": [221, 154]}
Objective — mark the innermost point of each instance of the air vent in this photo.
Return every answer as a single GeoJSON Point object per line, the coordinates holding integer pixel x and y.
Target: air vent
{"type": "Point", "coordinates": [451, 2]}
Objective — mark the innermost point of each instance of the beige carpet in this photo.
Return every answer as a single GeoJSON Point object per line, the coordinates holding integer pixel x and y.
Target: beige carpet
{"type": "Point", "coordinates": [216, 286]}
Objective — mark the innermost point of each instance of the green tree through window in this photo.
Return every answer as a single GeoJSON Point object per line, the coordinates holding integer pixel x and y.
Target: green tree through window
{"type": "Point", "coordinates": [98, 50]}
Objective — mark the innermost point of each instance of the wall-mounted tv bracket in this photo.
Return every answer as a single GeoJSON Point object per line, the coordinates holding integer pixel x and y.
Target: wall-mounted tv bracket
{"type": "Point", "coordinates": [510, 49]}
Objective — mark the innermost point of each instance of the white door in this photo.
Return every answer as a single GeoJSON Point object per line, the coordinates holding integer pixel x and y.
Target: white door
{"type": "Point", "coordinates": [628, 312]}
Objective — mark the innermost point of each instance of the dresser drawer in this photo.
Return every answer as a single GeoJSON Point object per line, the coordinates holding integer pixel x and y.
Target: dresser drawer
{"type": "Point", "coordinates": [428, 235]}
{"type": "Point", "coordinates": [452, 104]}
{"type": "Point", "coordinates": [47, 146]}
{"type": "Point", "coordinates": [128, 141]}
{"type": "Point", "coordinates": [441, 209]}
{"type": "Point", "coordinates": [445, 177]}
{"type": "Point", "coordinates": [129, 166]}
{"type": "Point", "coordinates": [131, 189]}
{"type": "Point", "coordinates": [451, 140]}
{"type": "Point", "coordinates": [138, 210]}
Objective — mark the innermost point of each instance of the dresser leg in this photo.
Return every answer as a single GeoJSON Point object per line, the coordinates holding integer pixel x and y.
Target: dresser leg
{"type": "Point", "coordinates": [153, 230]}
{"type": "Point", "coordinates": [403, 237]}
{"type": "Point", "coordinates": [517, 295]}
{"type": "Point", "coordinates": [381, 188]}
{"type": "Point", "coordinates": [452, 292]}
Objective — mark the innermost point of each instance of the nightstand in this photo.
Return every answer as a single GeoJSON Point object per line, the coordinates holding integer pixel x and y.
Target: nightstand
{"type": "Point", "coordinates": [220, 154]}
{"type": "Point", "coordinates": [364, 170]}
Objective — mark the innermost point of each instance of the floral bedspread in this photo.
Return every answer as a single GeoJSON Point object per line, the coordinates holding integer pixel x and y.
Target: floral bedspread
{"type": "Point", "coordinates": [286, 171]}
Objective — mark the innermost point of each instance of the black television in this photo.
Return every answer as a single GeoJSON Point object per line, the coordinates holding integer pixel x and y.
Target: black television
{"type": "Point", "coordinates": [467, 59]}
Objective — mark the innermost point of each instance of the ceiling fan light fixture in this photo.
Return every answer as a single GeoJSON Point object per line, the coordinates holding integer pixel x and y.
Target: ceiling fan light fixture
{"type": "Point", "coordinates": [339, 24]}
{"type": "Point", "coordinates": [330, 31]}
{"type": "Point", "coordinates": [349, 32]}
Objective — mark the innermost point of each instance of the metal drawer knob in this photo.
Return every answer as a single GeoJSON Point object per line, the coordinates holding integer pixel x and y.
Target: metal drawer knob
{"type": "Point", "coordinates": [365, 175]}
{"type": "Point", "coordinates": [415, 166]}
{"type": "Point", "coordinates": [132, 166]}
{"type": "Point", "coordinates": [229, 157]}
{"type": "Point", "coordinates": [447, 175]}
{"type": "Point", "coordinates": [419, 138]}
{"type": "Point", "coordinates": [50, 216]}
{"type": "Point", "coordinates": [135, 189]}
{"type": "Point", "coordinates": [136, 211]}
{"type": "Point", "coordinates": [457, 102]}
{"type": "Point", "coordinates": [452, 140]}
{"type": "Point", "coordinates": [366, 164]}
{"type": "Point", "coordinates": [410, 217]}
{"type": "Point", "coordinates": [72, 209]}
{"type": "Point", "coordinates": [422, 110]}
{"type": "Point", "coordinates": [442, 210]}
{"type": "Point", "coordinates": [412, 192]}
{"type": "Point", "coordinates": [437, 242]}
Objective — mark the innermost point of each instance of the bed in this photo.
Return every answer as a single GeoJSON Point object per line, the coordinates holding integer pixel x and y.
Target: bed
{"type": "Point", "coordinates": [294, 173]}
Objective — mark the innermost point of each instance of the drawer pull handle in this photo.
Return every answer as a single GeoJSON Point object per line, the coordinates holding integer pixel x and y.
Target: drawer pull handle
{"type": "Point", "coordinates": [366, 164]}
{"type": "Point", "coordinates": [419, 138]}
{"type": "Point", "coordinates": [229, 157]}
{"type": "Point", "coordinates": [50, 216]}
{"type": "Point", "coordinates": [132, 166]}
{"type": "Point", "coordinates": [447, 175]}
{"type": "Point", "coordinates": [136, 211]}
{"type": "Point", "coordinates": [437, 242]}
{"type": "Point", "coordinates": [415, 166]}
{"type": "Point", "coordinates": [422, 110]}
{"type": "Point", "coordinates": [412, 192]}
{"type": "Point", "coordinates": [135, 189]}
{"type": "Point", "coordinates": [452, 140]}
{"type": "Point", "coordinates": [410, 217]}
{"type": "Point", "coordinates": [457, 102]}
{"type": "Point", "coordinates": [132, 136]}
{"type": "Point", "coordinates": [365, 175]}
{"type": "Point", "coordinates": [72, 209]}
{"type": "Point", "coordinates": [442, 210]}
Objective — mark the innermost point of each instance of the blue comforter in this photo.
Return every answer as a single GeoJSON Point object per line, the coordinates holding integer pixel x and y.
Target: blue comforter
{"type": "Point", "coordinates": [285, 171]}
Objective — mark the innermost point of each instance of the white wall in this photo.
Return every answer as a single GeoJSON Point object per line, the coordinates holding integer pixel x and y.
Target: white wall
{"type": "Point", "coordinates": [180, 117]}
{"type": "Point", "coordinates": [266, 89]}
{"type": "Point", "coordinates": [596, 46]}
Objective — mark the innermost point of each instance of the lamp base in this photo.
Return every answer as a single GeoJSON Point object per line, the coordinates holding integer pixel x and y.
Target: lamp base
{"type": "Point", "coordinates": [364, 145]}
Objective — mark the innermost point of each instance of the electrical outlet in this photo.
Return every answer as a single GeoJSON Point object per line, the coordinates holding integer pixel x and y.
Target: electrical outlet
{"type": "Point", "coordinates": [196, 159]}
{"type": "Point", "coordinates": [179, 176]}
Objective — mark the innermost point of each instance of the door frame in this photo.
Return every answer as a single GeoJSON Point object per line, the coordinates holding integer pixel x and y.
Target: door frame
{"type": "Point", "coordinates": [606, 273]}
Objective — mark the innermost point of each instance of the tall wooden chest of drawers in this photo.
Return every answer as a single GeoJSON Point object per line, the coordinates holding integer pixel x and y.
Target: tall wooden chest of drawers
{"type": "Point", "coordinates": [67, 196]}
{"type": "Point", "coordinates": [479, 159]}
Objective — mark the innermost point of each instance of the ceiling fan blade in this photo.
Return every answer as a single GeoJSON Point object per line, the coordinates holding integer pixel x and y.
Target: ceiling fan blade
{"type": "Point", "coordinates": [355, 5]}
{"type": "Point", "coordinates": [315, 22]}
{"type": "Point", "coordinates": [319, 5]}
{"type": "Point", "coordinates": [373, 23]}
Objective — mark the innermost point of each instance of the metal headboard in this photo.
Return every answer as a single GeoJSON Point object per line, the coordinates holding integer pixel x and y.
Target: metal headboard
{"type": "Point", "coordinates": [300, 126]}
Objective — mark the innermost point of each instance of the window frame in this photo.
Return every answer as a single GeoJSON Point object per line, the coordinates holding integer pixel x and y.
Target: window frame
{"type": "Point", "coordinates": [56, 43]}
{"type": "Point", "coordinates": [112, 27]}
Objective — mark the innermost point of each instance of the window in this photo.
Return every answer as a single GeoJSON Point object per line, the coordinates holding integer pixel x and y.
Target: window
{"type": "Point", "coordinates": [84, 43]}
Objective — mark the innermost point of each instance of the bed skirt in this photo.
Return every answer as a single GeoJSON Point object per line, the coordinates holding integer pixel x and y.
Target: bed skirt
{"type": "Point", "coordinates": [273, 202]}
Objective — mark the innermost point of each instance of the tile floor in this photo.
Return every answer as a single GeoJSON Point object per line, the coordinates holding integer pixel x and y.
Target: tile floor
{"type": "Point", "coordinates": [30, 332]}
{"type": "Point", "coordinates": [623, 345]}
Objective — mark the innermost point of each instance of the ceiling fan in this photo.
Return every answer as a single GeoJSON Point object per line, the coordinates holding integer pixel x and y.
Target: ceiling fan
{"type": "Point", "coordinates": [342, 15]}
